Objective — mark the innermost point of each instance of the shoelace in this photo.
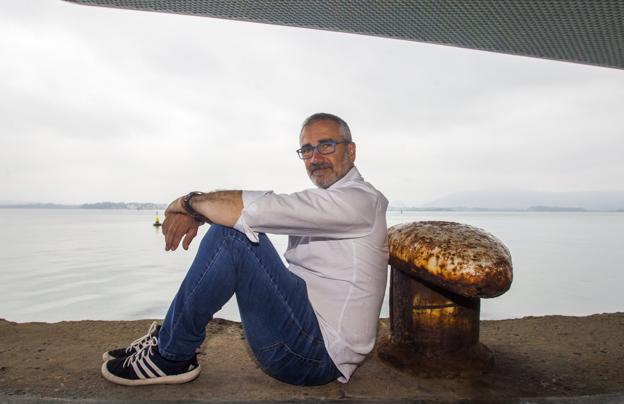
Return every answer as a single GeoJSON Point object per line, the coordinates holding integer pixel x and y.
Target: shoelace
{"type": "Point", "coordinates": [142, 353]}
{"type": "Point", "coordinates": [138, 343]}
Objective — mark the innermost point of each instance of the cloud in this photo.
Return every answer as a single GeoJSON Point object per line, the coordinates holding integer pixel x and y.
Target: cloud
{"type": "Point", "coordinates": [119, 105]}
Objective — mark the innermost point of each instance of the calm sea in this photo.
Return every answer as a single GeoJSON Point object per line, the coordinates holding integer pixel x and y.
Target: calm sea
{"type": "Point", "coordinates": [111, 264]}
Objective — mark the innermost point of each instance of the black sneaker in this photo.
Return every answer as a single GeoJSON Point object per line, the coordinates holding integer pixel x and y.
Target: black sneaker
{"type": "Point", "coordinates": [147, 366]}
{"type": "Point", "coordinates": [135, 346]}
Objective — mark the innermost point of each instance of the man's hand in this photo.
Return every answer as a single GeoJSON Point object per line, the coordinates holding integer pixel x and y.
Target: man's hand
{"type": "Point", "coordinates": [175, 207]}
{"type": "Point", "coordinates": [220, 207]}
{"type": "Point", "coordinates": [176, 226]}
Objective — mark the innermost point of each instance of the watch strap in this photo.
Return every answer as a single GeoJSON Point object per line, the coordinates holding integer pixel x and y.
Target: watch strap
{"type": "Point", "coordinates": [186, 205]}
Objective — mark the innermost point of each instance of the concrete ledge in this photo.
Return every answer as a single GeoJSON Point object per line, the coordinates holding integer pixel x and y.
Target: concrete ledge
{"type": "Point", "coordinates": [538, 360]}
{"type": "Point", "coordinates": [597, 399]}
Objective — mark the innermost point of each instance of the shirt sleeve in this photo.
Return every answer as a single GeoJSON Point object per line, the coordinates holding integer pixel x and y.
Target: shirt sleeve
{"type": "Point", "coordinates": [249, 197]}
{"type": "Point", "coordinates": [335, 213]}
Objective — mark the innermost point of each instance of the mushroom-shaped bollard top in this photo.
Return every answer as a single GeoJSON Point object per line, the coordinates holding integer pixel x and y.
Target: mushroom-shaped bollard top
{"type": "Point", "coordinates": [460, 258]}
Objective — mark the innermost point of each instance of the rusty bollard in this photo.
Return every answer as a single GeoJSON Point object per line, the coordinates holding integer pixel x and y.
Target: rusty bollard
{"type": "Point", "coordinates": [440, 270]}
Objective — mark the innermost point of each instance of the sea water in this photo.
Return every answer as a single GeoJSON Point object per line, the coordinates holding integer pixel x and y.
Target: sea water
{"type": "Point", "coordinates": [80, 264]}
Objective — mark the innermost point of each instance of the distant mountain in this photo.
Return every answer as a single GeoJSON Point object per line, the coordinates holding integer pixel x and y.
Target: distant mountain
{"type": "Point", "coordinates": [554, 209]}
{"type": "Point", "coordinates": [532, 200]}
{"type": "Point", "coordinates": [29, 205]}
{"type": "Point", "coordinates": [104, 205]}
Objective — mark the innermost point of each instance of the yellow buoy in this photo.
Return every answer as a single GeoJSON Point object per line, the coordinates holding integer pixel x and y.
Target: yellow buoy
{"type": "Point", "coordinates": [157, 221]}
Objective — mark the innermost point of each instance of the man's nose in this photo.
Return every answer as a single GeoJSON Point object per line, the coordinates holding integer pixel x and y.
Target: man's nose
{"type": "Point", "coordinates": [316, 156]}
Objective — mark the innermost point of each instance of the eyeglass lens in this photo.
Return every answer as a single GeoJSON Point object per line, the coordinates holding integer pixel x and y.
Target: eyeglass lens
{"type": "Point", "coordinates": [306, 152]}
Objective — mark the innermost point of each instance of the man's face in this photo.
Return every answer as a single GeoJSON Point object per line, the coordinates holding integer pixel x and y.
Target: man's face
{"type": "Point", "coordinates": [325, 169]}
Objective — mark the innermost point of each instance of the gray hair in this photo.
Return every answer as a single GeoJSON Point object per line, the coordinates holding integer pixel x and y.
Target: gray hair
{"type": "Point", "coordinates": [345, 132]}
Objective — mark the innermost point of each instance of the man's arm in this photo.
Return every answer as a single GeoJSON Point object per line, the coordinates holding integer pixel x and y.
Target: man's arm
{"type": "Point", "coordinates": [220, 207]}
{"type": "Point", "coordinates": [347, 212]}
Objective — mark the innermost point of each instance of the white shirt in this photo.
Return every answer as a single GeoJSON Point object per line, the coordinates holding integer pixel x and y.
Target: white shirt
{"type": "Point", "coordinates": [338, 245]}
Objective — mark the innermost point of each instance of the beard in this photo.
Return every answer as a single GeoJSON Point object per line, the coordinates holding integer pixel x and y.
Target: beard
{"type": "Point", "coordinates": [326, 180]}
{"type": "Point", "coordinates": [331, 175]}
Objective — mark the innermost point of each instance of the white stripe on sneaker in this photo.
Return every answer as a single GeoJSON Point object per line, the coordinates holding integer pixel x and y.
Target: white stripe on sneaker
{"type": "Point", "coordinates": [137, 371]}
{"type": "Point", "coordinates": [146, 369]}
{"type": "Point", "coordinates": [153, 366]}
{"type": "Point", "coordinates": [142, 364]}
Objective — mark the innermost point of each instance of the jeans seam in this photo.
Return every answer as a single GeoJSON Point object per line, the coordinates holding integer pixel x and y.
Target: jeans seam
{"type": "Point", "coordinates": [309, 336]}
{"type": "Point", "coordinates": [316, 362]}
{"type": "Point", "coordinates": [292, 317]}
{"type": "Point", "coordinates": [289, 351]}
{"type": "Point", "coordinates": [269, 347]}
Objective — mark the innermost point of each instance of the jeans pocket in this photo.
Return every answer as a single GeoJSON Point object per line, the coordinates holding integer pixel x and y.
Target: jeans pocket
{"type": "Point", "coordinates": [280, 362]}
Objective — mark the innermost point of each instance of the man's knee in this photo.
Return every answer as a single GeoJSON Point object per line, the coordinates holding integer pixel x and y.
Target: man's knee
{"type": "Point", "coordinates": [217, 231]}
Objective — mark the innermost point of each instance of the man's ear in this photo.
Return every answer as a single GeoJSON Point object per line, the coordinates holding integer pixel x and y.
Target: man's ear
{"type": "Point", "coordinates": [351, 151]}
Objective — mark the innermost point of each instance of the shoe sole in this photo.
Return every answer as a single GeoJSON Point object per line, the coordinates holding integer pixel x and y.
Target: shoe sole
{"type": "Point", "coordinates": [174, 379]}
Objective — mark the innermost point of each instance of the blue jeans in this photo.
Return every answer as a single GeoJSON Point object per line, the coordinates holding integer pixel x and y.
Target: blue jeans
{"type": "Point", "coordinates": [278, 320]}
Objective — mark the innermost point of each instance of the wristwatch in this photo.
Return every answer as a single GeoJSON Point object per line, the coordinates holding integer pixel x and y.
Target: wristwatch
{"type": "Point", "coordinates": [186, 205]}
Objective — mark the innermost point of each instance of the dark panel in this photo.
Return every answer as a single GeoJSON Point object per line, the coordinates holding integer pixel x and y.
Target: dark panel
{"type": "Point", "coordinates": [588, 31]}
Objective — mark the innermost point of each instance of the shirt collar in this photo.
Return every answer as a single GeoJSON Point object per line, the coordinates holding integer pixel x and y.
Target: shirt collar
{"type": "Point", "coordinates": [352, 175]}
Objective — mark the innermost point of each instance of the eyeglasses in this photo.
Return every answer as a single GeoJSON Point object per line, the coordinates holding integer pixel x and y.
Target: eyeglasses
{"type": "Point", "coordinates": [324, 147]}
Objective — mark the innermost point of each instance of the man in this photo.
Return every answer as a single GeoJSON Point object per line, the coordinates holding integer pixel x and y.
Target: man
{"type": "Point", "coordinates": [307, 324]}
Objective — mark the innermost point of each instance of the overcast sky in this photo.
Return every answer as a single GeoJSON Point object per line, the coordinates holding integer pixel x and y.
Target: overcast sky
{"type": "Point", "coordinates": [101, 104]}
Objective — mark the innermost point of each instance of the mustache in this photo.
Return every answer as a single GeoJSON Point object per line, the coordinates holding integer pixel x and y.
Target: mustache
{"type": "Point", "coordinates": [319, 166]}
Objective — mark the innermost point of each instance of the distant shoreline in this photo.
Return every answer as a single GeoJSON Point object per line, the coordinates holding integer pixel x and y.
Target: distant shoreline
{"type": "Point", "coordinates": [97, 205]}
